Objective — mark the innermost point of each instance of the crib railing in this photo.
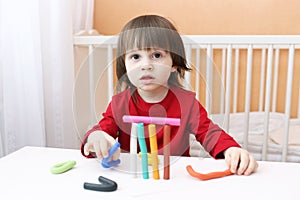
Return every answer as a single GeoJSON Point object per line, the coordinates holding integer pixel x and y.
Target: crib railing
{"type": "Point", "coordinates": [227, 70]}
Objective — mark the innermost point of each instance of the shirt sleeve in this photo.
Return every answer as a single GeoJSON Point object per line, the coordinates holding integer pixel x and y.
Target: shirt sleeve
{"type": "Point", "coordinates": [214, 139]}
{"type": "Point", "coordinates": [106, 124]}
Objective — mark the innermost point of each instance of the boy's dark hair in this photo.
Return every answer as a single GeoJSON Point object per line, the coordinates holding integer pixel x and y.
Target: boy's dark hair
{"type": "Point", "coordinates": [146, 32]}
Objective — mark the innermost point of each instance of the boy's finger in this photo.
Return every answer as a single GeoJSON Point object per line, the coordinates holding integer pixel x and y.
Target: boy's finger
{"type": "Point", "coordinates": [252, 166]}
{"type": "Point", "coordinates": [244, 163]}
{"type": "Point", "coordinates": [104, 148]}
{"type": "Point", "coordinates": [97, 149]}
{"type": "Point", "coordinates": [116, 155]}
{"type": "Point", "coordinates": [235, 158]}
{"type": "Point", "coordinates": [88, 147]}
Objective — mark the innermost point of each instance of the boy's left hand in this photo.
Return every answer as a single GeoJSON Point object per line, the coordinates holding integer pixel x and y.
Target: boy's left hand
{"type": "Point", "coordinates": [240, 161]}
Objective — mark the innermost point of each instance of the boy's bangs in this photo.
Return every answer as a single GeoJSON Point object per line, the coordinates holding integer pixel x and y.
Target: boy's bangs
{"type": "Point", "coordinates": [146, 38]}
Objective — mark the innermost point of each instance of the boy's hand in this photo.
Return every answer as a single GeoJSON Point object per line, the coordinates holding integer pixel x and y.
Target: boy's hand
{"type": "Point", "coordinates": [240, 161]}
{"type": "Point", "coordinates": [100, 142]}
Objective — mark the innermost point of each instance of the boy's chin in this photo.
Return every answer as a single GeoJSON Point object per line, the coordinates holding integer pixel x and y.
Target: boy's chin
{"type": "Point", "coordinates": [151, 87]}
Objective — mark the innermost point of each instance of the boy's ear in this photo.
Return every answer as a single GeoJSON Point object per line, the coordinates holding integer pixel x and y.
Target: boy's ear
{"type": "Point", "coordinates": [174, 68]}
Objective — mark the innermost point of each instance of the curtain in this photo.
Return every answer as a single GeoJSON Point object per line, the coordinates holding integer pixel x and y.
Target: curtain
{"type": "Point", "coordinates": [22, 111]}
{"type": "Point", "coordinates": [83, 13]}
{"type": "Point", "coordinates": [36, 74]}
{"type": "Point", "coordinates": [58, 72]}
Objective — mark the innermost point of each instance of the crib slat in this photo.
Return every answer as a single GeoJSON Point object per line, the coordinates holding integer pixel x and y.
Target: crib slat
{"type": "Point", "coordinates": [222, 82]}
{"type": "Point", "coordinates": [110, 73]}
{"type": "Point", "coordinates": [188, 52]}
{"type": "Point", "coordinates": [275, 81]}
{"type": "Point", "coordinates": [209, 66]}
{"type": "Point", "coordinates": [248, 94]}
{"type": "Point", "coordinates": [236, 80]}
{"type": "Point", "coordinates": [288, 101]}
{"type": "Point", "coordinates": [228, 87]}
{"type": "Point", "coordinates": [92, 85]}
{"type": "Point", "coordinates": [267, 103]}
{"type": "Point", "coordinates": [262, 79]}
{"type": "Point", "coordinates": [198, 73]}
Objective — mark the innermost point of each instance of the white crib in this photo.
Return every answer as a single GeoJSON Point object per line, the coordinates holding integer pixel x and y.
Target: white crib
{"type": "Point", "coordinates": [229, 73]}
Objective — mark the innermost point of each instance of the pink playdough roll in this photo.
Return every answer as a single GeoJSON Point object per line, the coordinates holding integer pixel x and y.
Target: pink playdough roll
{"type": "Point", "coordinates": [151, 120]}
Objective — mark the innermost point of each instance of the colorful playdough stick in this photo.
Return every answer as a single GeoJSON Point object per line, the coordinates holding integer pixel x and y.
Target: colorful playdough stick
{"type": "Point", "coordinates": [143, 147]}
{"type": "Point", "coordinates": [150, 162]}
{"type": "Point", "coordinates": [133, 150]}
{"type": "Point", "coordinates": [153, 148]}
{"type": "Point", "coordinates": [105, 161]}
{"type": "Point", "coordinates": [166, 152]}
{"type": "Point", "coordinates": [151, 120]}
{"type": "Point", "coordinates": [62, 167]}
{"type": "Point", "coordinates": [207, 176]}
{"type": "Point", "coordinates": [106, 185]}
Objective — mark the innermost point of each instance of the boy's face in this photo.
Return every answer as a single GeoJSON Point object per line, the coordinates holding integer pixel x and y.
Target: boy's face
{"type": "Point", "coordinates": [149, 69]}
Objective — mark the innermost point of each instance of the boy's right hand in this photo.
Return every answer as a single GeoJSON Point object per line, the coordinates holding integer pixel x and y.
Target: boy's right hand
{"type": "Point", "coordinates": [100, 142]}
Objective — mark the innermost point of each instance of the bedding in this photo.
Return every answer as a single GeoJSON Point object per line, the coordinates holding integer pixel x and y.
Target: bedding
{"type": "Point", "coordinates": [255, 135]}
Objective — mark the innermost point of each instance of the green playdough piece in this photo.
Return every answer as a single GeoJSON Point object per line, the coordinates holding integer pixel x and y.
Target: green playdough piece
{"type": "Point", "coordinates": [62, 167]}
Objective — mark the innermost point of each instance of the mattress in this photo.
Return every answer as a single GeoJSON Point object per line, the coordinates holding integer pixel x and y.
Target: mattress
{"type": "Point", "coordinates": [255, 135]}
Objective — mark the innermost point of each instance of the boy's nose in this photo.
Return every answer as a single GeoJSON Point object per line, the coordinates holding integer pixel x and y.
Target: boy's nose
{"type": "Point", "coordinates": [148, 67]}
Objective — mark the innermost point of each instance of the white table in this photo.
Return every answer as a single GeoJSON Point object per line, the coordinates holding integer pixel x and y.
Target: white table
{"type": "Point", "coordinates": [25, 174]}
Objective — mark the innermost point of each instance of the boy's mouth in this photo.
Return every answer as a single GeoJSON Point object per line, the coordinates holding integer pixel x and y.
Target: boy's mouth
{"type": "Point", "coordinates": [146, 77]}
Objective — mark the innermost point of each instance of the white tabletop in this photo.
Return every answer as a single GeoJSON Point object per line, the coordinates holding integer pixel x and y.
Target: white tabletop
{"type": "Point", "coordinates": [25, 174]}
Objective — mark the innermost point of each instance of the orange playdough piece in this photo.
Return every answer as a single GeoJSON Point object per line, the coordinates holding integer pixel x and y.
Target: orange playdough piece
{"type": "Point", "coordinates": [207, 176]}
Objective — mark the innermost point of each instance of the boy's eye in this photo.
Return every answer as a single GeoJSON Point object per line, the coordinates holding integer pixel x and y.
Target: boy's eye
{"type": "Point", "coordinates": [157, 55]}
{"type": "Point", "coordinates": [135, 57]}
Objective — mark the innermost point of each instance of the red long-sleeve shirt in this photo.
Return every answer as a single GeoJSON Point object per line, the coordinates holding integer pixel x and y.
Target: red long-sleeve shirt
{"type": "Point", "coordinates": [178, 103]}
